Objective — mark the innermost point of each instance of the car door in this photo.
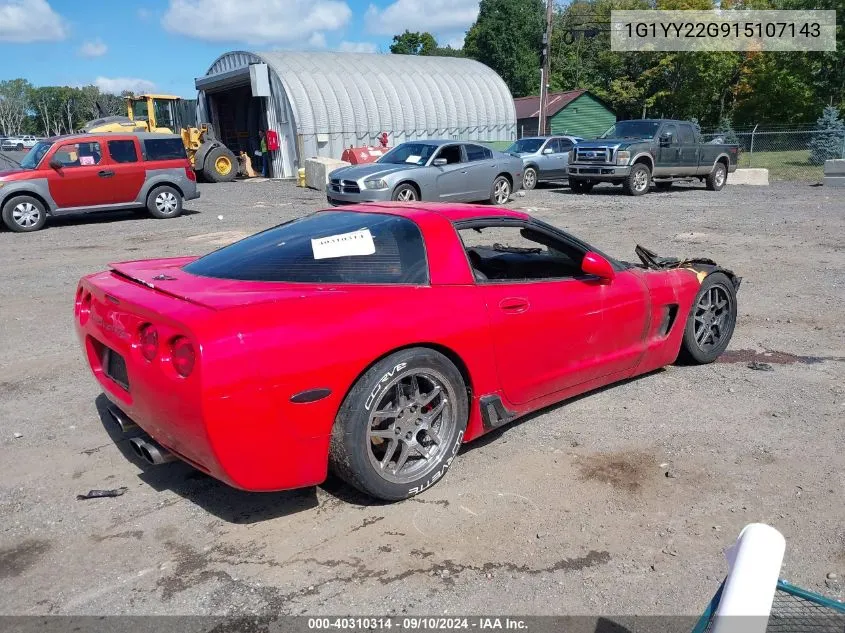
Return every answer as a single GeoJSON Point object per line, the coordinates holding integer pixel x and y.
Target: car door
{"type": "Point", "coordinates": [83, 178]}
{"type": "Point", "coordinates": [689, 150]}
{"type": "Point", "coordinates": [545, 162]}
{"type": "Point", "coordinates": [552, 334]}
{"type": "Point", "coordinates": [480, 171]}
{"type": "Point", "coordinates": [450, 178]}
{"type": "Point", "coordinates": [128, 168]}
{"type": "Point", "coordinates": [668, 151]}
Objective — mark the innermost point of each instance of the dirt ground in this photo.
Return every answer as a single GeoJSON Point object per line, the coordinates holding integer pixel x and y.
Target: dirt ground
{"type": "Point", "coordinates": [618, 502]}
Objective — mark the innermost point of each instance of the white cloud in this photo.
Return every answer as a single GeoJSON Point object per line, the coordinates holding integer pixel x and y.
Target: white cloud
{"type": "Point", "coordinates": [30, 21]}
{"type": "Point", "coordinates": [93, 48]}
{"type": "Point", "coordinates": [435, 16]}
{"type": "Point", "coordinates": [256, 21]}
{"type": "Point", "coordinates": [357, 47]}
{"type": "Point", "coordinates": [456, 41]}
{"type": "Point", "coordinates": [317, 40]}
{"type": "Point", "coordinates": [144, 14]}
{"type": "Point", "coordinates": [116, 85]}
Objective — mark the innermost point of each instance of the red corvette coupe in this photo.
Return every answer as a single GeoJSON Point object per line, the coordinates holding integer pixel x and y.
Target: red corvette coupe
{"type": "Point", "coordinates": [377, 338]}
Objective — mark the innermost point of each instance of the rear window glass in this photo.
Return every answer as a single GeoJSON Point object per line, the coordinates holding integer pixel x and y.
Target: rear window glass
{"type": "Point", "coordinates": [164, 148]}
{"type": "Point", "coordinates": [325, 247]}
{"type": "Point", "coordinates": [476, 152]}
{"type": "Point", "coordinates": [123, 151]}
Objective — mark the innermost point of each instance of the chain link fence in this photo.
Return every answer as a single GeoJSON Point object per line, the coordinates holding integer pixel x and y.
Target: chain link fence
{"type": "Point", "coordinates": [789, 153]}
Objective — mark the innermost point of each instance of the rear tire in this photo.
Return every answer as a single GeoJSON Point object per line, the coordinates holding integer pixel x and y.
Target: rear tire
{"type": "Point", "coordinates": [638, 180]}
{"type": "Point", "coordinates": [19, 147]}
{"type": "Point", "coordinates": [580, 186]}
{"type": "Point", "coordinates": [164, 202]}
{"type": "Point", "coordinates": [711, 321]}
{"type": "Point", "coordinates": [717, 178]}
{"type": "Point", "coordinates": [220, 165]}
{"type": "Point", "coordinates": [529, 178]}
{"type": "Point", "coordinates": [422, 400]}
{"type": "Point", "coordinates": [24, 214]}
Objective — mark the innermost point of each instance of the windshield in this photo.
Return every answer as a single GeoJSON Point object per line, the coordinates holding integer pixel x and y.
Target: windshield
{"type": "Point", "coordinates": [409, 154]}
{"type": "Point", "coordinates": [633, 129]}
{"type": "Point", "coordinates": [525, 146]}
{"type": "Point", "coordinates": [31, 160]}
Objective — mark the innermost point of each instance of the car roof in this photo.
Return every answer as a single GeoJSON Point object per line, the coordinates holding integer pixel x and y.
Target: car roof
{"type": "Point", "coordinates": [88, 135]}
{"type": "Point", "coordinates": [441, 141]}
{"type": "Point", "coordinates": [454, 212]}
{"type": "Point", "coordinates": [543, 138]}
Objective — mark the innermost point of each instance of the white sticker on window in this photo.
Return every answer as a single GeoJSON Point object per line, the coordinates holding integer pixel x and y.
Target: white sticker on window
{"type": "Point", "coordinates": [344, 245]}
{"type": "Point", "coordinates": [86, 160]}
{"type": "Point", "coordinates": [413, 159]}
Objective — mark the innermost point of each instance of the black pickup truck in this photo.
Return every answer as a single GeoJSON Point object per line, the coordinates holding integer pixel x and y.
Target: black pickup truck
{"type": "Point", "coordinates": [636, 154]}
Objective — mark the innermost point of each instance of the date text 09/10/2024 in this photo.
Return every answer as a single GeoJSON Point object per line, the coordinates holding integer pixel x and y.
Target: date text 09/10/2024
{"type": "Point", "coordinates": [417, 623]}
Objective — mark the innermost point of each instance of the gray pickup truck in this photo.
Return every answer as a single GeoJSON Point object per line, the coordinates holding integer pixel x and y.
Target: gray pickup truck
{"type": "Point", "coordinates": [636, 154]}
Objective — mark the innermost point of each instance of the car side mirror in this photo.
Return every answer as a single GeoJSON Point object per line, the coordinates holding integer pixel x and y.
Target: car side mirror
{"type": "Point", "coordinates": [595, 264]}
{"type": "Point", "coordinates": [439, 162]}
{"type": "Point", "coordinates": [54, 164]}
{"type": "Point", "coordinates": [665, 140]}
{"type": "Point", "coordinates": [548, 150]}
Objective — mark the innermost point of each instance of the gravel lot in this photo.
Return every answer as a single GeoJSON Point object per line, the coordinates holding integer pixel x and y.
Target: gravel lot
{"type": "Point", "coordinates": [618, 502]}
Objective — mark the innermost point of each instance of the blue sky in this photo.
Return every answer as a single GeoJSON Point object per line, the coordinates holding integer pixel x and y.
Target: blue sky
{"type": "Point", "coordinates": [164, 44]}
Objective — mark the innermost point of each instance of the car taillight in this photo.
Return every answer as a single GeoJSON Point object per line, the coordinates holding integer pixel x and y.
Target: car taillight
{"type": "Point", "coordinates": [190, 173]}
{"type": "Point", "coordinates": [183, 356]}
{"type": "Point", "coordinates": [83, 306]}
{"type": "Point", "coordinates": [148, 339]}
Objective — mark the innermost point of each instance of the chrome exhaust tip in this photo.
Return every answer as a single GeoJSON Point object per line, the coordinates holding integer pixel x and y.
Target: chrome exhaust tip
{"type": "Point", "coordinates": [122, 420]}
{"type": "Point", "coordinates": [151, 452]}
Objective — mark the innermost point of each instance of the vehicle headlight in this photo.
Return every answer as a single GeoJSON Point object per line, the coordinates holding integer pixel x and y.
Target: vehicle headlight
{"type": "Point", "coordinates": [622, 157]}
{"type": "Point", "coordinates": [376, 183]}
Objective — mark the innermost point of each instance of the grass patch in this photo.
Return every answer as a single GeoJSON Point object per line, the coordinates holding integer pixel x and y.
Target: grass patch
{"type": "Point", "coordinates": [792, 165]}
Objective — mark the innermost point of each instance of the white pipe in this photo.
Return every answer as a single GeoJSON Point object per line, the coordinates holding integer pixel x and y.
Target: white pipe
{"type": "Point", "coordinates": [755, 560]}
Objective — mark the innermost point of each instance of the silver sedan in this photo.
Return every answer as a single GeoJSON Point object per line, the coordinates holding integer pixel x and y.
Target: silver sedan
{"type": "Point", "coordinates": [429, 170]}
{"type": "Point", "coordinates": [543, 158]}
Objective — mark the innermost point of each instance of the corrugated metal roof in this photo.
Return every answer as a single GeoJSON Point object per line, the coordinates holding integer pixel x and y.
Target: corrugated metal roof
{"type": "Point", "coordinates": [331, 92]}
{"type": "Point", "coordinates": [529, 107]}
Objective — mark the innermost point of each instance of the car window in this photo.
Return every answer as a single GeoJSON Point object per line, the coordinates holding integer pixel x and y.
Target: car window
{"type": "Point", "coordinates": [566, 144]}
{"type": "Point", "coordinates": [671, 130]}
{"type": "Point", "coordinates": [164, 149]}
{"type": "Point", "coordinates": [554, 145]}
{"type": "Point", "coordinates": [79, 154]}
{"type": "Point", "coordinates": [687, 136]}
{"type": "Point", "coordinates": [325, 247]}
{"type": "Point", "coordinates": [123, 151]}
{"type": "Point", "coordinates": [518, 253]}
{"type": "Point", "coordinates": [452, 154]}
{"type": "Point", "coordinates": [477, 152]}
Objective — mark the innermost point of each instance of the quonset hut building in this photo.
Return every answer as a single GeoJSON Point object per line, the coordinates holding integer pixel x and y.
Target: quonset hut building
{"type": "Point", "coordinates": [324, 102]}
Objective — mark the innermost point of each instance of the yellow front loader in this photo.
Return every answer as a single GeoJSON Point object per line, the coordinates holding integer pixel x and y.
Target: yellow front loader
{"type": "Point", "coordinates": [167, 114]}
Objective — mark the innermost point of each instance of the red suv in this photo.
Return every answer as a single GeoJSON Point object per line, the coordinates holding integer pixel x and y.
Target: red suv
{"type": "Point", "coordinates": [97, 172]}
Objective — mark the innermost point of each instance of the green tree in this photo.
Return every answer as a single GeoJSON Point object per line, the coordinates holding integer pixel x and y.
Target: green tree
{"type": "Point", "coordinates": [14, 104]}
{"type": "Point", "coordinates": [830, 142]}
{"type": "Point", "coordinates": [507, 36]}
{"type": "Point", "coordinates": [409, 43]}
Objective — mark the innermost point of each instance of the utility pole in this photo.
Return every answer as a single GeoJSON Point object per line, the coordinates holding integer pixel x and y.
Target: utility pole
{"type": "Point", "coordinates": [546, 67]}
